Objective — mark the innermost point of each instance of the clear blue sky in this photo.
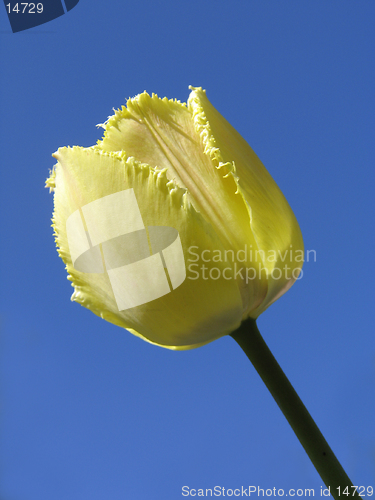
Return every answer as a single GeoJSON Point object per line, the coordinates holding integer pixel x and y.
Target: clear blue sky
{"type": "Point", "coordinates": [90, 412]}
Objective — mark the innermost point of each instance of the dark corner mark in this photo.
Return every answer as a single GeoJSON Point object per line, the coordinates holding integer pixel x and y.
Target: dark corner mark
{"type": "Point", "coordinates": [26, 15]}
{"type": "Point", "coordinates": [69, 4]}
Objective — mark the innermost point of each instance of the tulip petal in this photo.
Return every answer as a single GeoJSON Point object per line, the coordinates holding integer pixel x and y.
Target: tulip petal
{"type": "Point", "coordinates": [161, 133]}
{"type": "Point", "coordinates": [124, 230]}
{"type": "Point", "coordinates": [167, 134]}
{"type": "Point", "coordinates": [274, 226]}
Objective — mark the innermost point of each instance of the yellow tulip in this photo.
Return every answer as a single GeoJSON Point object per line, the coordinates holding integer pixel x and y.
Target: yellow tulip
{"type": "Point", "coordinates": [171, 227]}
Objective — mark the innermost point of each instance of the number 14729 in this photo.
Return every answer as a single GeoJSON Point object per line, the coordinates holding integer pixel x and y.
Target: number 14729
{"type": "Point", "coordinates": [25, 8]}
{"type": "Point", "coordinates": [360, 490]}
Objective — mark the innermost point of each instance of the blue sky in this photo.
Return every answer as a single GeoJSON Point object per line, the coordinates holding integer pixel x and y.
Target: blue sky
{"type": "Point", "coordinates": [88, 410]}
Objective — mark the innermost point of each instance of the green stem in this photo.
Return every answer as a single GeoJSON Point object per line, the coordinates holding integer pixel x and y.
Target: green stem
{"type": "Point", "coordinates": [308, 433]}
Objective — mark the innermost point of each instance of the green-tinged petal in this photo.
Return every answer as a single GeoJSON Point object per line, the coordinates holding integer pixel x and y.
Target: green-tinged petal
{"type": "Point", "coordinates": [89, 186]}
{"type": "Point", "coordinates": [166, 134]}
{"type": "Point", "coordinates": [274, 226]}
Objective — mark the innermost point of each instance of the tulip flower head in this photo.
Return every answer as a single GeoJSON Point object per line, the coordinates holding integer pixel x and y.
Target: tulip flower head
{"type": "Point", "coordinates": [170, 226]}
